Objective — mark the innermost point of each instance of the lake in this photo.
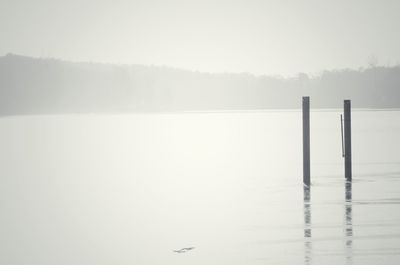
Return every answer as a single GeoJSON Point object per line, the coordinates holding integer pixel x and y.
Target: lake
{"type": "Point", "coordinates": [132, 188]}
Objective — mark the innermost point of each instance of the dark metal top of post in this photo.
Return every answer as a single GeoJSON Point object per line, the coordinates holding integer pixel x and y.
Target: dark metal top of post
{"type": "Point", "coordinates": [347, 140]}
{"type": "Point", "coordinates": [306, 141]}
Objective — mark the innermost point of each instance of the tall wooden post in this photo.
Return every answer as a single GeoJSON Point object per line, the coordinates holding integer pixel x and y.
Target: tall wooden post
{"type": "Point", "coordinates": [347, 140]}
{"type": "Point", "coordinates": [306, 141]}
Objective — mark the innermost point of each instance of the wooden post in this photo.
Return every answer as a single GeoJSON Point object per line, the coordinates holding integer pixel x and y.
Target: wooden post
{"type": "Point", "coordinates": [306, 141]}
{"type": "Point", "coordinates": [347, 140]}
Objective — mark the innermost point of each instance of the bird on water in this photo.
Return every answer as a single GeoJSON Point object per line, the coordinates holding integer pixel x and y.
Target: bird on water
{"type": "Point", "coordinates": [183, 250]}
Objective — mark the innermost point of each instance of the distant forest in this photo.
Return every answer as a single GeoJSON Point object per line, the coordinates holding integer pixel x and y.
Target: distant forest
{"type": "Point", "coordinates": [32, 86]}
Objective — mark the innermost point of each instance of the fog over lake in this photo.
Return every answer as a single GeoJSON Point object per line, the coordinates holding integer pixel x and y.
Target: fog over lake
{"type": "Point", "coordinates": [175, 132]}
{"type": "Point", "coordinates": [132, 188]}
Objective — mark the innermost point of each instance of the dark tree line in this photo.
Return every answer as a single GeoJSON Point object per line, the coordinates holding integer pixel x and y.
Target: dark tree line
{"type": "Point", "coordinates": [29, 86]}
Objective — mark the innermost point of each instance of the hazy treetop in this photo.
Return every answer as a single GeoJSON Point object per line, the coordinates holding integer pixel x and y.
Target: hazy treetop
{"type": "Point", "coordinates": [258, 36]}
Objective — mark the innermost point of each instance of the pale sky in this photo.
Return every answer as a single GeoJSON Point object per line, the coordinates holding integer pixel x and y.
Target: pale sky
{"type": "Point", "coordinates": [279, 37]}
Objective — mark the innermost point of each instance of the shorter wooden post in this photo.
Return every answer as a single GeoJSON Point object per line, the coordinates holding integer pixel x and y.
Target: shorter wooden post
{"type": "Point", "coordinates": [347, 140]}
{"type": "Point", "coordinates": [306, 141]}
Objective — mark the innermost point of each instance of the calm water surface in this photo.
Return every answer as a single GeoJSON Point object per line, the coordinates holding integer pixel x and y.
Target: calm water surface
{"type": "Point", "coordinates": [130, 189]}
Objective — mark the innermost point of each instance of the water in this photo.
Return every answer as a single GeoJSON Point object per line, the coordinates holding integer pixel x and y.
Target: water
{"type": "Point", "coordinates": [130, 189]}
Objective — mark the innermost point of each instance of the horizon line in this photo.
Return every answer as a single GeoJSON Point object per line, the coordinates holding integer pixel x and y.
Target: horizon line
{"type": "Point", "coordinates": [276, 76]}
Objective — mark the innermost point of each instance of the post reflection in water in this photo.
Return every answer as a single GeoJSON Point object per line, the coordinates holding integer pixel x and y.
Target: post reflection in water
{"type": "Point", "coordinates": [349, 222]}
{"type": "Point", "coordinates": [307, 225]}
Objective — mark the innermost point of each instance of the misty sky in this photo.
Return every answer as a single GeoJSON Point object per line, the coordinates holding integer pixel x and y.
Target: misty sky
{"type": "Point", "coordinates": [262, 37]}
